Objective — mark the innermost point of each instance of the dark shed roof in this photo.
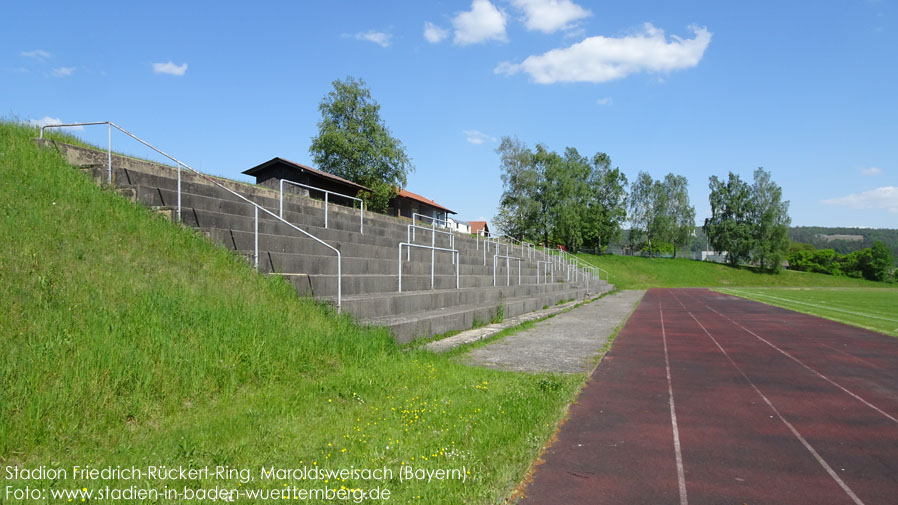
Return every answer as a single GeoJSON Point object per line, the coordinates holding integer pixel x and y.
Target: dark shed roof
{"type": "Point", "coordinates": [260, 169]}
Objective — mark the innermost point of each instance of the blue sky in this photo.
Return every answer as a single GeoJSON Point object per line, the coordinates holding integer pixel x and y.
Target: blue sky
{"type": "Point", "coordinates": [807, 90]}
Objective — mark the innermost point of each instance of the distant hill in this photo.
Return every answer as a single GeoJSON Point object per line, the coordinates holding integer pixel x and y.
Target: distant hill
{"type": "Point", "coordinates": [844, 240]}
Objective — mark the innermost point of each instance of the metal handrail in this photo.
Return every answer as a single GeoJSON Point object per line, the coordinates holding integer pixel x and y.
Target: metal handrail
{"type": "Point", "coordinates": [507, 269]}
{"type": "Point", "coordinates": [455, 260]}
{"type": "Point", "coordinates": [433, 220]}
{"type": "Point", "coordinates": [545, 271]}
{"type": "Point", "coordinates": [326, 193]}
{"type": "Point", "coordinates": [410, 232]}
{"type": "Point", "coordinates": [410, 236]}
{"type": "Point", "coordinates": [180, 163]}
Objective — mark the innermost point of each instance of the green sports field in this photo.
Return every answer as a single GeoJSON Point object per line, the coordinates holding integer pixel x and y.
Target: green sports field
{"type": "Point", "coordinates": [872, 308]}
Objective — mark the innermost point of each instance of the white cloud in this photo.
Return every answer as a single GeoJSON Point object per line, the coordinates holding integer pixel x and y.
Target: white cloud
{"type": "Point", "coordinates": [885, 197]}
{"type": "Point", "coordinates": [169, 68]}
{"type": "Point", "coordinates": [478, 137]}
{"type": "Point", "coordinates": [47, 121]}
{"type": "Point", "coordinates": [434, 33]}
{"type": "Point", "coordinates": [605, 101]}
{"type": "Point", "coordinates": [63, 71]}
{"type": "Point", "coordinates": [380, 38]}
{"type": "Point", "coordinates": [871, 171]}
{"type": "Point", "coordinates": [38, 54]}
{"type": "Point", "coordinates": [601, 59]}
{"type": "Point", "coordinates": [549, 16]}
{"type": "Point", "coordinates": [483, 22]}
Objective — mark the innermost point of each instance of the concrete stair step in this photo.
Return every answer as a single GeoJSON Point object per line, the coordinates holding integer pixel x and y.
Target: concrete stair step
{"type": "Point", "coordinates": [323, 285]}
{"type": "Point", "coordinates": [298, 244]}
{"type": "Point", "coordinates": [387, 304]}
{"type": "Point", "coordinates": [207, 219]}
{"type": "Point", "coordinates": [280, 262]}
{"type": "Point", "coordinates": [426, 324]}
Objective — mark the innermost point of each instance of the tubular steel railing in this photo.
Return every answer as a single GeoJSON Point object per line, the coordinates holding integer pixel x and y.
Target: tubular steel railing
{"type": "Point", "coordinates": [507, 268]}
{"type": "Point", "coordinates": [433, 249]}
{"type": "Point", "coordinates": [433, 220]}
{"type": "Point", "coordinates": [326, 193]}
{"type": "Point", "coordinates": [180, 163]}
{"type": "Point", "coordinates": [545, 265]}
{"type": "Point", "coordinates": [410, 237]}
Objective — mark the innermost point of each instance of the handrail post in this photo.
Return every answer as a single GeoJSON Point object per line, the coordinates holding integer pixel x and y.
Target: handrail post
{"type": "Point", "coordinates": [179, 191]}
{"type": "Point", "coordinates": [109, 152]}
{"type": "Point", "coordinates": [362, 219]}
{"type": "Point", "coordinates": [507, 271]}
{"type": "Point", "coordinates": [400, 267]}
{"type": "Point", "coordinates": [494, 270]}
{"type": "Point", "coordinates": [457, 267]}
{"type": "Point", "coordinates": [325, 209]}
{"type": "Point", "coordinates": [339, 282]}
{"type": "Point", "coordinates": [433, 252]}
{"type": "Point", "coordinates": [256, 233]}
{"type": "Point", "coordinates": [281, 205]}
{"type": "Point", "coordinates": [519, 273]}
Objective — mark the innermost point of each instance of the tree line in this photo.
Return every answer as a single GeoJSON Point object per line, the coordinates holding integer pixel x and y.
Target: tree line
{"type": "Point", "coordinates": [573, 201]}
{"type": "Point", "coordinates": [874, 263]}
{"type": "Point", "coordinates": [834, 238]}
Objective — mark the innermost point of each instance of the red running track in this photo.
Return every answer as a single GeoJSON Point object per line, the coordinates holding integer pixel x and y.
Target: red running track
{"type": "Point", "coordinates": [710, 398]}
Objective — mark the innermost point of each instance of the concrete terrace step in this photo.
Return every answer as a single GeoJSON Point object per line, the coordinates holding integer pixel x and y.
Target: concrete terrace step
{"type": "Point", "coordinates": [387, 304]}
{"type": "Point", "coordinates": [278, 262]}
{"type": "Point", "coordinates": [428, 323]}
{"type": "Point", "coordinates": [296, 243]}
{"type": "Point", "coordinates": [324, 285]}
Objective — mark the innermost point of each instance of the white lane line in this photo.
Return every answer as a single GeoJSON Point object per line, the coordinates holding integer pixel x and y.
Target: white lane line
{"type": "Point", "coordinates": [681, 474]}
{"type": "Point", "coordinates": [832, 473]}
{"type": "Point", "coordinates": [748, 294]}
{"type": "Point", "coordinates": [815, 372]}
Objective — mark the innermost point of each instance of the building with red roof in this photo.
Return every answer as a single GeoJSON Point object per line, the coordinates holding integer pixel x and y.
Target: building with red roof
{"type": "Point", "coordinates": [479, 227]}
{"type": "Point", "coordinates": [406, 203]}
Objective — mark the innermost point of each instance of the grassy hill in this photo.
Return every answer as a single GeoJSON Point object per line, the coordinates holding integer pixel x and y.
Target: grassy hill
{"type": "Point", "coordinates": [127, 340]}
{"type": "Point", "coordinates": [633, 272]}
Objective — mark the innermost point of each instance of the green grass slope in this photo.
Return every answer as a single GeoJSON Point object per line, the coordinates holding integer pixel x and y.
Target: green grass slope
{"type": "Point", "coordinates": [126, 340]}
{"type": "Point", "coordinates": [633, 272]}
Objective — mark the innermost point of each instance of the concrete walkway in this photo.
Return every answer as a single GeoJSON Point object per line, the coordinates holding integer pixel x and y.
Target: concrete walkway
{"type": "Point", "coordinates": [566, 343]}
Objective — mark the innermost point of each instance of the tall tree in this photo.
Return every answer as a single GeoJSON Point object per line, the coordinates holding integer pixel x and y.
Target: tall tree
{"type": "Point", "coordinates": [519, 207]}
{"type": "Point", "coordinates": [566, 179]}
{"type": "Point", "coordinates": [660, 212]}
{"type": "Point", "coordinates": [730, 226]}
{"type": "Point", "coordinates": [680, 222]}
{"type": "Point", "coordinates": [606, 203]}
{"type": "Point", "coordinates": [353, 142]}
{"type": "Point", "coordinates": [771, 220]}
{"type": "Point", "coordinates": [749, 222]}
{"type": "Point", "coordinates": [642, 212]}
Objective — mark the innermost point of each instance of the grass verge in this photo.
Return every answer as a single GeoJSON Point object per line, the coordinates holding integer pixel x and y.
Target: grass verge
{"type": "Point", "coordinates": [129, 341]}
{"type": "Point", "coordinates": [633, 272]}
{"type": "Point", "coordinates": [871, 308]}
